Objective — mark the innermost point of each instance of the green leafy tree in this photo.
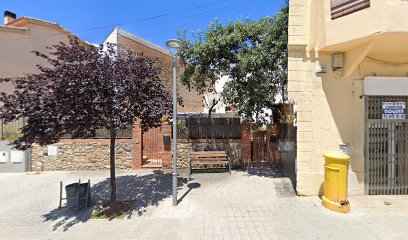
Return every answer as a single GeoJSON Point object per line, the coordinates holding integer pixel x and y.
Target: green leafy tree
{"type": "Point", "coordinates": [252, 53]}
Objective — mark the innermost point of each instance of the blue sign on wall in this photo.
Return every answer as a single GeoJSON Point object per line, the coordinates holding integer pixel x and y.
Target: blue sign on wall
{"type": "Point", "coordinates": [393, 110]}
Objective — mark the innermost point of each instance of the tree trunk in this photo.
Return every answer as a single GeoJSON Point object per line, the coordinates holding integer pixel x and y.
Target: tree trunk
{"type": "Point", "coordinates": [283, 92]}
{"type": "Point", "coordinates": [211, 108]}
{"type": "Point", "coordinates": [112, 165]}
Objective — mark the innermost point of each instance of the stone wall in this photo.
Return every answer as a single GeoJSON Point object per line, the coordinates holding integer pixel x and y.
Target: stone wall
{"type": "Point", "coordinates": [81, 156]}
{"type": "Point", "coordinates": [185, 147]}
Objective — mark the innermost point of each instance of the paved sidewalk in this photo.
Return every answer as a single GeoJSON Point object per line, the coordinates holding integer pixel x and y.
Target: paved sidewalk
{"type": "Point", "coordinates": [261, 205]}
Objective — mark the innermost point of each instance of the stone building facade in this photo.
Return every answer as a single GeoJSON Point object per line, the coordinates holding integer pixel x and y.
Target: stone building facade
{"type": "Point", "coordinates": [73, 156]}
{"type": "Point", "coordinates": [93, 154]}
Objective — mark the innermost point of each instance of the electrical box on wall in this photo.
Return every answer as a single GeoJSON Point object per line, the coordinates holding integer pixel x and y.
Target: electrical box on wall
{"type": "Point", "coordinates": [337, 61]}
{"type": "Point", "coordinates": [166, 139]}
{"type": "Point", "coordinates": [321, 69]}
{"type": "Point", "coordinates": [16, 156]}
{"type": "Point", "coordinates": [4, 156]}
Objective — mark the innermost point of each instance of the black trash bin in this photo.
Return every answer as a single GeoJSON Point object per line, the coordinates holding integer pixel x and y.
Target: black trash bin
{"type": "Point", "coordinates": [81, 199]}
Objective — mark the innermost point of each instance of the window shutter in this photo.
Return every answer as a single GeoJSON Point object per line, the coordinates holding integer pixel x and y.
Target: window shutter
{"type": "Point", "coordinates": [340, 8]}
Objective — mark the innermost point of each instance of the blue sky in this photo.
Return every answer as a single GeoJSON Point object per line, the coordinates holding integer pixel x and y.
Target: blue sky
{"type": "Point", "coordinates": [154, 20]}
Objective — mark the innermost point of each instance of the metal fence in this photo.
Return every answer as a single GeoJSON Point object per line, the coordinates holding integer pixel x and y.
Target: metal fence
{"type": "Point", "coordinates": [125, 133]}
{"type": "Point", "coordinates": [211, 128]}
{"type": "Point", "coordinates": [386, 150]}
{"type": "Point", "coordinates": [10, 131]}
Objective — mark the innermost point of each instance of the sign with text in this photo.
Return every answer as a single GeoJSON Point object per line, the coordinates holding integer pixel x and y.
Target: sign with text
{"type": "Point", "coordinates": [393, 110]}
{"type": "Point", "coordinates": [52, 150]}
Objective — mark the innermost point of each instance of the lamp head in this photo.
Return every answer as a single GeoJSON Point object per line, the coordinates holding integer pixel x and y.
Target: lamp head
{"type": "Point", "coordinates": [173, 43]}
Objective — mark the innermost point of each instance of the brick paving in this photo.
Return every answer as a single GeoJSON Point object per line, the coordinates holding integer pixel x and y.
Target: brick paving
{"type": "Point", "coordinates": [258, 205]}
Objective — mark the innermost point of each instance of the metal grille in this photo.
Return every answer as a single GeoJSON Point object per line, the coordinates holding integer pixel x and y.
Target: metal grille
{"type": "Point", "coordinates": [340, 8]}
{"type": "Point", "coordinates": [153, 145]}
{"type": "Point", "coordinates": [125, 133]}
{"type": "Point", "coordinates": [386, 149]}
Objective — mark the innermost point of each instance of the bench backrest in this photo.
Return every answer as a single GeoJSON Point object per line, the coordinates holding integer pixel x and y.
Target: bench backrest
{"type": "Point", "coordinates": [209, 155]}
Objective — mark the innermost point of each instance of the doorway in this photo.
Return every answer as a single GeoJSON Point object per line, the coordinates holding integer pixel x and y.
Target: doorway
{"type": "Point", "coordinates": [153, 148]}
{"type": "Point", "coordinates": [386, 145]}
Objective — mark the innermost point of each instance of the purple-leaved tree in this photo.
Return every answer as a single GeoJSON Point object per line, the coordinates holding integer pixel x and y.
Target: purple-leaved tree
{"type": "Point", "coordinates": [85, 88]}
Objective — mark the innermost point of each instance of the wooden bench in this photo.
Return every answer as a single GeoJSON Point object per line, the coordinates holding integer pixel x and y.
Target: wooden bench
{"type": "Point", "coordinates": [217, 158]}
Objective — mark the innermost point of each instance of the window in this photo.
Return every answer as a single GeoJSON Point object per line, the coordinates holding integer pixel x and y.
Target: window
{"type": "Point", "coordinates": [340, 8]}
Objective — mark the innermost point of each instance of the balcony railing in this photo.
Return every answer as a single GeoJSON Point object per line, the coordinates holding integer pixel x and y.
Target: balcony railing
{"type": "Point", "coordinates": [340, 8]}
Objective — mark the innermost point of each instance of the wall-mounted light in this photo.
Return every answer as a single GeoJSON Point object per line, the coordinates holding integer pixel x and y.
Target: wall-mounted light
{"type": "Point", "coordinates": [321, 69]}
{"type": "Point", "coordinates": [337, 61]}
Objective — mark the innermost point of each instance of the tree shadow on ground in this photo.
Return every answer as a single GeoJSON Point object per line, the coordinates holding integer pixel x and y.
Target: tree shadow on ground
{"type": "Point", "coordinates": [283, 185]}
{"type": "Point", "coordinates": [144, 190]}
{"type": "Point", "coordinates": [264, 170]}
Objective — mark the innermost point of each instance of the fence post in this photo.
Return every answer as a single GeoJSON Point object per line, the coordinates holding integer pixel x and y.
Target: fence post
{"type": "Point", "coordinates": [1, 129]}
{"type": "Point", "coordinates": [246, 153]}
{"type": "Point", "coordinates": [60, 196]}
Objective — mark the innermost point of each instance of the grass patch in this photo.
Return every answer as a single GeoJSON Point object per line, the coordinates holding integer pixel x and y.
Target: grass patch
{"type": "Point", "coordinates": [117, 211]}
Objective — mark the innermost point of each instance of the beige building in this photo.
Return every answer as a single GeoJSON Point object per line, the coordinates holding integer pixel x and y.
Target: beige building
{"type": "Point", "coordinates": [348, 75]}
{"type": "Point", "coordinates": [18, 38]}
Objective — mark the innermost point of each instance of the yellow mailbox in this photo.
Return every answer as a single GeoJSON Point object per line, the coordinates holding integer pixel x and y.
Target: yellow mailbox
{"type": "Point", "coordinates": [335, 181]}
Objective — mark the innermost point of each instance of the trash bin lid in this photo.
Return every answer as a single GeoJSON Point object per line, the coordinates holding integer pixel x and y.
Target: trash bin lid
{"type": "Point", "coordinates": [337, 155]}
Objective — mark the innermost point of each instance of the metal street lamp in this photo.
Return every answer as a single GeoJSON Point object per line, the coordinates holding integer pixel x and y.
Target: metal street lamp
{"type": "Point", "coordinates": [175, 44]}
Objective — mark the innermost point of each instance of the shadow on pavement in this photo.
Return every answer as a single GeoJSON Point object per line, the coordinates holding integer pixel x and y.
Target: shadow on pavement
{"type": "Point", "coordinates": [284, 186]}
{"type": "Point", "coordinates": [264, 170]}
{"type": "Point", "coordinates": [190, 186]}
{"type": "Point", "coordinates": [145, 190]}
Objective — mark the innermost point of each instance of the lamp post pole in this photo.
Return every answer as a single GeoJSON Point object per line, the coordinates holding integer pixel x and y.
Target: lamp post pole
{"type": "Point", "coordinates": [174, 131]}
{"type": "Point", "coordinates": [174, 44]}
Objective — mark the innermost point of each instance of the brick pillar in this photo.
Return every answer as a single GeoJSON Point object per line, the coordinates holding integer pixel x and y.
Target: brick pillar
{"type": "Point", "coordinates": [137, 146]}
{"type": "Point", "coordinates": [167, 153]}
{"type": "Point", "coordinates": [246, 145]}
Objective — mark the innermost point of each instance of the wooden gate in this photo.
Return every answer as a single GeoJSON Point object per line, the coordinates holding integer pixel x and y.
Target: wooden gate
{"type": "Point", "coordinates": [259, 146]}
{"type": "Point", "coordinates": [265, 146]}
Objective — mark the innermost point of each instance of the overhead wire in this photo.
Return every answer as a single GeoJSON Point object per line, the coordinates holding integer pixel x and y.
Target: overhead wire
{"type": "Point", "coordinates": [198, 19]}
{"type": "Point", "coordinates": [124, 23]}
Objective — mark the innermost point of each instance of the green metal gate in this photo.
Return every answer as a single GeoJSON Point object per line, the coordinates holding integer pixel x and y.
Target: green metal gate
{"type": "Point", "coordinates": [386, 146]}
